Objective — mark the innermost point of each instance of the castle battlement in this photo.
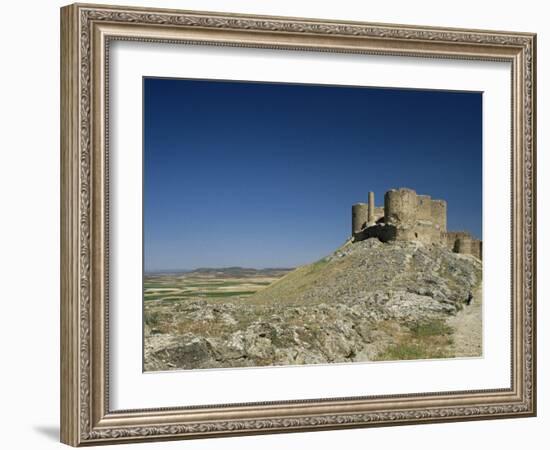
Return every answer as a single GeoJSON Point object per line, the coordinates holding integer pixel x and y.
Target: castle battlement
{"type": "Point", "coordinates": [408, 216]}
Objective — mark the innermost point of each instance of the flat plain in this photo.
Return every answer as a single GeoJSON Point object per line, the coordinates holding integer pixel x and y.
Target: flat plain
{"type": "Point", "coordinates": [208, 284]}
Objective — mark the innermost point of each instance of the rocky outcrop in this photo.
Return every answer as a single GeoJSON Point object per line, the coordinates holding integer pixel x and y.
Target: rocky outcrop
{"type": "Point", "coordinates": [329, 311]}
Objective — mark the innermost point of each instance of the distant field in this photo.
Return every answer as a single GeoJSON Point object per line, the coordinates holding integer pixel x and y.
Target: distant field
{"type": "Point", "coordinates": [205, 284]}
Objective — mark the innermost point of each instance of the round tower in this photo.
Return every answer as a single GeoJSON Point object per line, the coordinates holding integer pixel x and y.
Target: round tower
{"type": "Point", "coordinates": [400, 206]}
{"type": "Point", "coordinates": [359, 215]}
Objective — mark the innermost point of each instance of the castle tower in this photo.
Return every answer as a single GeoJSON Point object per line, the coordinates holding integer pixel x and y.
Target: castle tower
{"type": "Point", "coordinates": [371, 208]}
{"type": "Point", "coordinates": [400, 206]}
{"type": "Point", "coordinates": [359, 215]}
{"type": "Point", "coordinates": [412, 217]}
{"type": "Point", "coordinates": [464, 245]}
{"type": "Point", "coordinates": [439, 214]}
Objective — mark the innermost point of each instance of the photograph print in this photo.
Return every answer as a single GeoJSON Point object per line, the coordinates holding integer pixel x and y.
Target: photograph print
{"type": "Point", "coordinates": [298, 224]}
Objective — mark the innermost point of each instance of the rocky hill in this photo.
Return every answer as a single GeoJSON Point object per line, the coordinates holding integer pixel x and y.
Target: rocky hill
{"type": "Point", "coordinates": [367, 301]}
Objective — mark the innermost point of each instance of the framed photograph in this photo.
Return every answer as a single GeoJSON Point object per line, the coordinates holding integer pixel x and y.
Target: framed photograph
{"type": "Point", "coordinates": [275, 224]}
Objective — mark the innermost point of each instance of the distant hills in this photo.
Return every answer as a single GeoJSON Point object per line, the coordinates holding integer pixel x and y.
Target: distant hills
{"type": "Point", "coordinates": [232, 271]}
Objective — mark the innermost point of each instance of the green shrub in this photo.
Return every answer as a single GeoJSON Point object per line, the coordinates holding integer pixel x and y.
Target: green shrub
{"type": "Point", "coordinates": [152, 319]}
{"type": "Point", "coordinates": [408, 351]}
{"type": "Point", "coordinates": [433, 328]}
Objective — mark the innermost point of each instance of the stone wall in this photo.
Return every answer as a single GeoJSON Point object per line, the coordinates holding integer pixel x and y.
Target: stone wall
{"type": "Point", "coordinates": [424, 207]}
{"type": "Point", "coordinates": [381, 231]}
{"type": "Point", "coordinates": [439, 214]}
{"type": "Point", "coordinates": [406, 206]}
{"type": "Point", "coordinates": [408, 216]}
{"type": "Point", "coordinates": [451, 238]}
{"type": "Point", "coordinates": [378, 213]}
{"type": "Point", "coordinates": [477, 248]}
{"type": "Point", "coordinates": [359, 213]}
{"type": "Point", "coordinates": [463, 245]}
{"type": "Point", "coordinates": [400, 206]}
{"type": "Point", "coordinates": [463, 242]}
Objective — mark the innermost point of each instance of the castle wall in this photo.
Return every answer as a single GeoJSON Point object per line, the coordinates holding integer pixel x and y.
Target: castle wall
{"type": "Point", "coordinates": [477, 248]}
{"type": "Point", "coordinates": [463, 245]}
{"type": "Point", "coordinates": [400, 206]}
{"type": "Point", "coordinates": [420, 232]}
{"type": "Point", "coordinates": [383, 232]}
{"type": "Point", "coordinates": [434, 211]}
{"type": "Point", "coordinates": [359, 214]}
{"type": "Point", "coordinates": [378, 213]}
{"type": "Point", "coordinates": [407, 216]}
{"type": "Point", "coordinates": [452, 236]}
{"type": "Point", "coordinates": [439, 214]}
{"type": "Point", "coordinates": [418, 217]}
{"type": "Point", "coordinates": [424, 205]}
{"type": "Point", "coordinates": [463, 242]}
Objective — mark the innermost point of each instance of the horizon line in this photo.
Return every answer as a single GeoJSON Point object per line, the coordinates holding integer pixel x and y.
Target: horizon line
{"type": "Point", "coordinates": [219, 268]}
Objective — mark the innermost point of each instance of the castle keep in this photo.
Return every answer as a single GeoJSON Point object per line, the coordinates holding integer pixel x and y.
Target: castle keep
{"type": "Point", "coordinates": [407, 216]}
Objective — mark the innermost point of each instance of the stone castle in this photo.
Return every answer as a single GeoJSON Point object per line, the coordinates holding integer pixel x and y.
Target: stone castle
{"type": "Point", "coordinates": [407, 216]}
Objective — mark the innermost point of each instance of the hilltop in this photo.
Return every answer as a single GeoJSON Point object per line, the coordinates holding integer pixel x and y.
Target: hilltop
{"type": "Point", "coordinates": [366, 301]}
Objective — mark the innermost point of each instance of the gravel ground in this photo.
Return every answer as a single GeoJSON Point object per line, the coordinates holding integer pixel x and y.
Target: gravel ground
{"type": "Point", "coordinates": [468, 328]}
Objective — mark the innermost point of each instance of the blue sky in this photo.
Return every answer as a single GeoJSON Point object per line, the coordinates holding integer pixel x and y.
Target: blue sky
{"type": "Point", "coordinates": [264, 175]}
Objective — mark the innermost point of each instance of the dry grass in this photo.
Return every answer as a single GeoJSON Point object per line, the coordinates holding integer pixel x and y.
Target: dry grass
{"type": "Point", "coordinates": [428, 340]}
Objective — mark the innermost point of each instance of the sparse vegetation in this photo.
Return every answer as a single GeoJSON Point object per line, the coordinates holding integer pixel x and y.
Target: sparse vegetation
{"type": "Point", "coordinates": [410, 351]}
{"type": "Point", "coordinates": [365, 302]}
{"type": "Point", "coordinates": [226, 294]}
{"type": "Point", "coordinates": [437, 327]}
{"type": "Point", "coordinates": [152, 319]}
{"type": "Point", "coordinates": [422, 340]}
{"type": "Point", "coordinates": [318, 264]}
{"type": "Point", "coordinates": [402, 351]}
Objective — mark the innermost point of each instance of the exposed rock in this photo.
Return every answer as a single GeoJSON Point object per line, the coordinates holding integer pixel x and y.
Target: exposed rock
{"type": "Point", "coordinates": [329, 311]}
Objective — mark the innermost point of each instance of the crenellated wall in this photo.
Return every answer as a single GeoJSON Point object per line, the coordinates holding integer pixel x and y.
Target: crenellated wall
{"type": "Point", "coordinates": [463, 242]}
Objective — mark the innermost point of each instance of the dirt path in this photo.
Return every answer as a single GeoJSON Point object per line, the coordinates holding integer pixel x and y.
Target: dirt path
{"type": "Point", "coordinates": [468, 328]}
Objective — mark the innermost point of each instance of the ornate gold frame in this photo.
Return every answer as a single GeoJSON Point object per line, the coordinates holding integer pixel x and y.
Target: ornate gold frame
{"type": "Point", "coordinates": [86, 31]}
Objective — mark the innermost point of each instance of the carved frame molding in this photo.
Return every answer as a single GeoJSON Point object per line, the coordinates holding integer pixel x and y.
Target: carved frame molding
{"type": "Point", "coordinates": [86, 31]}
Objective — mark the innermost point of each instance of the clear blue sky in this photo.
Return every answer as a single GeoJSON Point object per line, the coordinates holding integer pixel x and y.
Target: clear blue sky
{"type": "Point", "coordinates": [264, 175]}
